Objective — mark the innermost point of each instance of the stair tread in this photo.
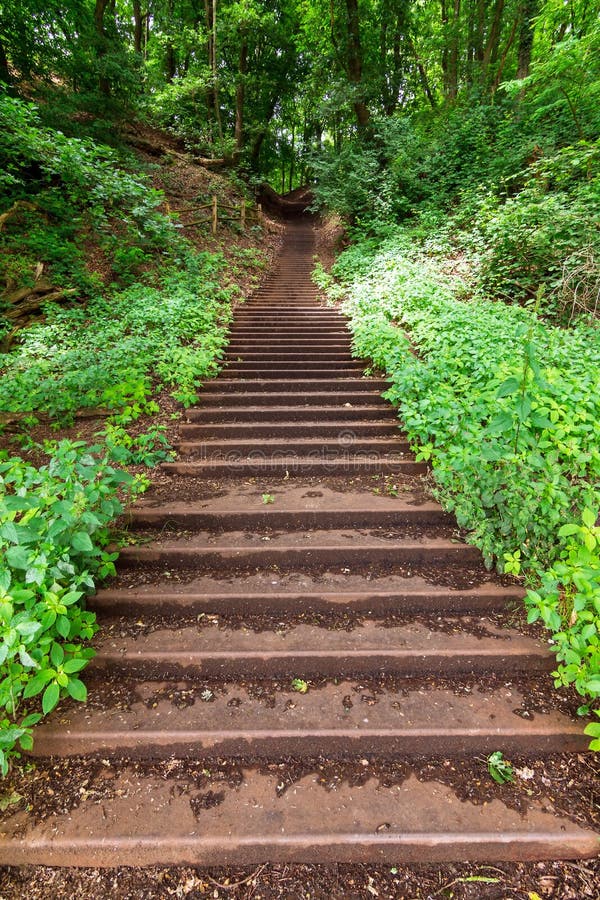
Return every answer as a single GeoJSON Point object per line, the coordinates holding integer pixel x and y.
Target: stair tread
{"type": "Point", "coordinates": [152, 720]}
{"type": "Point", "coordinates": [411, 639]}
{"type": "Point", "coordinates": [425, 821]}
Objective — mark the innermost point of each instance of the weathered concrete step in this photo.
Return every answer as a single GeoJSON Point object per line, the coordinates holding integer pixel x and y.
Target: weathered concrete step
{"type": "Point", "coordinates": [276, 341]}
{"type": "Point", "coordinates": [333, 721]}
{"type": "Point", "coordinates": [346, 443]}
{"type": "Point", "coordinates": [293, 551]}
{"type": "Point", "coordinates": [297, 465]}
{"type": "Point", "coordinates": [308, 651]}
{"type": "Point", "coordinates": [282, 514]}
{"type": "Point", "coordinates": [306, 387]}
{"type": "Point", "coordinates": [215, 824]}
{"type": "Point", "coordinates": [335, 593]}
{"type": "Point", "coordinates": [291, 332]}
{"type": "Point", "coordinates": [313, 357]}
{"type": "Point", "coordinates": [330, 399]}
{"type": "Point", "coordinates": [252, 413]}
{"type": "Point", "coordinates": [334, 372]}
{"type": "Point", "coordinates": [262, 430]}
{"type": "Point", "coordinates": [264, 321]}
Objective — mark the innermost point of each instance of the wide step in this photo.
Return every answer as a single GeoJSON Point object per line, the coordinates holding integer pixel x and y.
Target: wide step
{"type": "Point", "coordinates": [195, 721]}
{"type": "Point", "coordinates": [165, 818]}
{"type": "Point", "coordinates": [307, 651]}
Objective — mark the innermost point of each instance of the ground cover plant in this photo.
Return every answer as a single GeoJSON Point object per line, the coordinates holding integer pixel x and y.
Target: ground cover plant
{"type": "Point", "coordinates": [506, 408]}
{"type": "Point", "coordinates": [106, 307]}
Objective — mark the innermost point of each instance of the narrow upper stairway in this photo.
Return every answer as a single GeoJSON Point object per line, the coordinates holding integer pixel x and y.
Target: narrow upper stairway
{"type": "Point", "coordinates": [298, 646]}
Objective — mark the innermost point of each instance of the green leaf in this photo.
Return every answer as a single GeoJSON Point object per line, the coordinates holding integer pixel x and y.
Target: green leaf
{"type": "Point", "coordinates": [50, 698]}
{"type": "Point", "coordinates": [77, 690]}
{"type": "Point", "coordinates": [508, 387]}
{"type": "Point", "coordinates": [569, 529]}
{"type": "Point", "coordinates": [82, 542]}
{"type": "Point", "coordinates": [501, 423]}
{"type": "Point", "coordinates": [589, 518]}
{"type": "Point", "coordinates": [57, 654]}
{"type": "Point", "coordinates": [74, 665]}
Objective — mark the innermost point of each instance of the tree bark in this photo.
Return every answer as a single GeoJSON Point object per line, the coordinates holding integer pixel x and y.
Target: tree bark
{"type": "Point", "coordinates": [138, 26]}
{"type": "Point", "coordinates": [529, 9]}
{"type": "Point", "coordinates": [240, 91]}
{"type": "Point", "coordinates": [4, 70]}
{"type": "Point", "coordinates": [491, 48]}
{"type": "Point", "coordinates": [102, 43]}
{"type": "Point", "coordinates": [422, 73]}
{"type": "Point", "coordinates": [355, 64]}
{"type": "Point", "coordinates": [452, 87]}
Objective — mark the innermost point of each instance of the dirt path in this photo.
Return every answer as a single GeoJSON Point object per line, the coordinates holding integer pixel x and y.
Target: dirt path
{"type": "Point", "coordinates": [300, 662]}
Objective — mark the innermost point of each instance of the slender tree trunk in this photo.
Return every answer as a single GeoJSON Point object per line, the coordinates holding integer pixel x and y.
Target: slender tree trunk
{"type": "Point", "coordinates": [215, 74]}
{"type": "Point", "coordinates": [293, 148]}
{"type": "Point", "coordinates": [529, 9]}
{"type": "Point", "coordinates": [138, 26]}
{"type": "Point", "coordinates": [508, 45]}
{"type": "Point", "coordinates": [422, 72]}
{"type": "Point", "coordinates": [170, 59]}
{"type": "Point", "coordinates": [355, 64]}
{"type": "Point", "coordinates": [240, 91]}
{"type": "Point", "coordinates": [491, 48]}
{"type": "Point", "coordinates": [102, 43]}
{"type": "Point", "coordinates": [4, 70]}
{"type": "Point", "coordinates": [453, 54]}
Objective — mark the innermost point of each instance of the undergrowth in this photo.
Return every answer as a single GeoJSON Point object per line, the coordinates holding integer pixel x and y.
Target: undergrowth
{"type": "Point", "coordinates": [154, 320]}
{"type": "Point", "coordinates": [507, 410]}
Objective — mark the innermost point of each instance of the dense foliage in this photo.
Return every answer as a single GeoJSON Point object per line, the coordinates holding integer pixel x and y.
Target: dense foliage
{"type": "Point", "coordinates": [156, 322]}
{"type": "Point", "coordinates": [507, 410]}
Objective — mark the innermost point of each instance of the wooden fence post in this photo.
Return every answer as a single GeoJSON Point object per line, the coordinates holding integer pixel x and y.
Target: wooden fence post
{"type": "Point", "coordinates": [214, 215]}
{"type": "Point", "coordinates": [243, 214]}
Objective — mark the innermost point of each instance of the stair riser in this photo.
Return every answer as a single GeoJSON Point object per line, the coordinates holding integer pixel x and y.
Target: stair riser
{"type": "Point", "coordinates": [368, 397]}
{"type": "Point", "coordinates": [290, 431]}
{"type": "Point", "coordinates": [294, 521]}
{"type": "Point", "coordinates": [304, 745]}
{"type": "Point", "coordinates": [300, 374]}
{"type": "Point", "coordinates": [314, 468]}
{"type": "Point", "coordinates": [116, 603]}
{"type": "Point", "coordinates": [302, 387]}
{"type": "Point", "coordinates": [293, 559]}
{"type": "Point", "coordinates": [346, 444]}
{"type": "Point", "coordinates": [291, 360]}
{"type": "Point", "coordinates": [287, 415]}
{"type": "Point", "coordinates": [390, 849]}
{"type": "Point", "coordinates": [349, 665]}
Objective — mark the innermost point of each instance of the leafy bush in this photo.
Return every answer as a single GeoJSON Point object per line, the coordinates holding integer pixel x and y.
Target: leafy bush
{"type": "Point", "coordinates": [502, 403]}
{"type": "Point", "coordinates": [54, 534]}
{"type": "Point", "coordinates": [116, 350]}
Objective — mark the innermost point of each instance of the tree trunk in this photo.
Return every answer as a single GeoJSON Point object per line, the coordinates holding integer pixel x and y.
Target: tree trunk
{"type": "Point", "coordinates": [491, 48]}
{"type": "Point", "coordinates": [4, 70]}
{"type": "Point", "coordinates": [355, 64]}
{"type": "Point", "coordinates": [170, 59]}
{"type": "Point", "coordinates": [529, 9]}
{"type": "Point", "coordinates": [102, 43]}
{"type": "Point", "coordinates": [138, 26]}
{"type": "Point", "coordinates": [422, 72]}
{"type": "Point", "coordinates": [452, 88]}
{"type": "Point", "coordinates": [240, 91]}
{"type": "Point", "coordinates": [502, 63]}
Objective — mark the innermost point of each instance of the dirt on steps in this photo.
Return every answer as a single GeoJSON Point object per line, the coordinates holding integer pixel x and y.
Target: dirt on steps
{"type": "Point", "coordinates": [354, 674]}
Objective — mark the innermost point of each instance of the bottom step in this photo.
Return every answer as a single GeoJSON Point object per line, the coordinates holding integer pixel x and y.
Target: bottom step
{"type": "Point", "coordinates": [160, 818]}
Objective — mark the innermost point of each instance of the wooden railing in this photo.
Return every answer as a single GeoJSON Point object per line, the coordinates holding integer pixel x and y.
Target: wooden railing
{"type": "Point", "coordinates": [242, 213]}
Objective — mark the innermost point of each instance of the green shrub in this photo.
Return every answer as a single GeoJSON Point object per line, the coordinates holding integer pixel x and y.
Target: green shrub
{"type": "Point", "coordinates": [54, 534]}
{"type": "Point", "coordinates": [507, 409]}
